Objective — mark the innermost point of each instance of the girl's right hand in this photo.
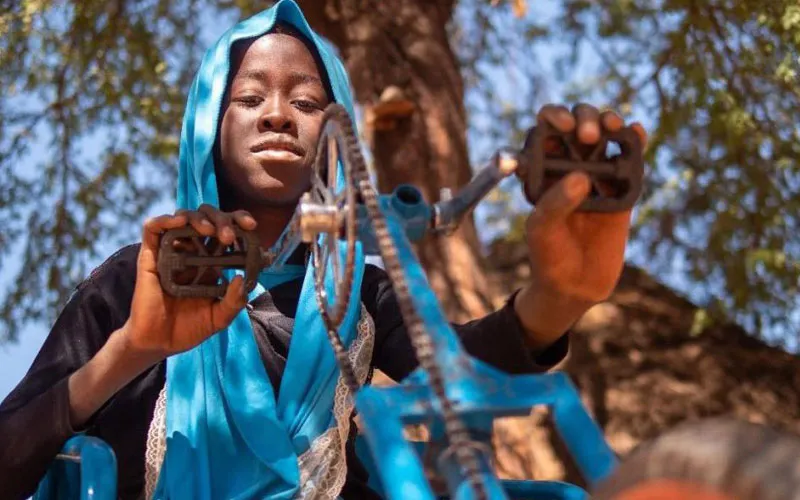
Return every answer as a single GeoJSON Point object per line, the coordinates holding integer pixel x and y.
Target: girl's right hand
{"type": "Point", "coordinates": [160, 325]}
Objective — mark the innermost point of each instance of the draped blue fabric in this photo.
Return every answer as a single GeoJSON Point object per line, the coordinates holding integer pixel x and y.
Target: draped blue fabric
{"type": "Point", "coordinates": [227, 434]}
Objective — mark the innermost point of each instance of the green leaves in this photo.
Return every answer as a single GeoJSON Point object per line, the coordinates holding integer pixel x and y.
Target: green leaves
{"type": "Point", "coordinates": [98, 96]}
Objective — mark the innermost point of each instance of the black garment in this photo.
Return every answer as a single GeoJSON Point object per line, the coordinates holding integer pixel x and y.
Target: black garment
{"type": "Point", "coordinates": [34, 418]}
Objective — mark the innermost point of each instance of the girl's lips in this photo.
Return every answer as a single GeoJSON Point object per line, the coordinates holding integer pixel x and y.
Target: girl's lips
{"type": "Point", "coordinates": [276, 154]}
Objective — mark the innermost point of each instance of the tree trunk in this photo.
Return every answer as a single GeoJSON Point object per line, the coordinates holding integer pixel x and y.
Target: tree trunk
{"type": "Point", "coordinates": [419, 136]}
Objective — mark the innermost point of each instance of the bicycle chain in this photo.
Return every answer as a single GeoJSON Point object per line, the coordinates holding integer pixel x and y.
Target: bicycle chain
{"type": "Point", "coordinates": [456, 432]}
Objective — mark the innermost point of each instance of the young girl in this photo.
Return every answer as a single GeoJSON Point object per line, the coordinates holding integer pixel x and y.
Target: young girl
{"type": "Point", "coordinates": [234, 398]}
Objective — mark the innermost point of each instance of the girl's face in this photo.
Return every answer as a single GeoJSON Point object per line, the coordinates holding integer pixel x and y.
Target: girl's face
{"type": "Point", "coordinates": [271, 120]}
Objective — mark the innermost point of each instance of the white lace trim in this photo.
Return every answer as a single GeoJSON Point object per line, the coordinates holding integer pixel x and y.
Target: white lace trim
{"type": "Point", "coordinates": [156, 445]}
{"type": "Point", "coordinates": [323, 467]}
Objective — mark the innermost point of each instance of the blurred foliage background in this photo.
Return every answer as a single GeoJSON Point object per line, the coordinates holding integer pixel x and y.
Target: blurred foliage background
{"type": "Point", "coordinates": [93, 96]}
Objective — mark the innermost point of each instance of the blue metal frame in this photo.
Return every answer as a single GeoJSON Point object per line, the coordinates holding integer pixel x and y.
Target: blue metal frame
{"type": "Point", "coordinates": [86, 469]}
{"type": "Point", "coordinates": [481, 394]}
{"type": "Point", "coordinates": [516, 489]}
{"type": "Point", "coordinates": [407, 205]}
{"type": "Point", "coordinates": [481, 391]}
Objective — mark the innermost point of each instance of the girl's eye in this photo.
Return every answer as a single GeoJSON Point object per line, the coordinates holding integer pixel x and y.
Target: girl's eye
{"type": "Point", "coordinates": [305, 105]}
{"type": "Point", "coordinates": [249, 101]}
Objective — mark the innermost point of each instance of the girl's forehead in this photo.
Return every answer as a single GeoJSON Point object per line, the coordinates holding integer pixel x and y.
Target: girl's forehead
{"type": "Point", "coordinates": [271, 46]}
{"type": "Point", "coordinates": [282, 50]}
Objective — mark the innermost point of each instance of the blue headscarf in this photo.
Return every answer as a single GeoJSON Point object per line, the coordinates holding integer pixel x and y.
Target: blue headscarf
{"type": "Point", "coordinates": [227, 435]}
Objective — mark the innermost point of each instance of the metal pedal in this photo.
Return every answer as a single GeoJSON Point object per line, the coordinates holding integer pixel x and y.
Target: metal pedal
{"type": "Point", "coordinates": [616, 181]}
